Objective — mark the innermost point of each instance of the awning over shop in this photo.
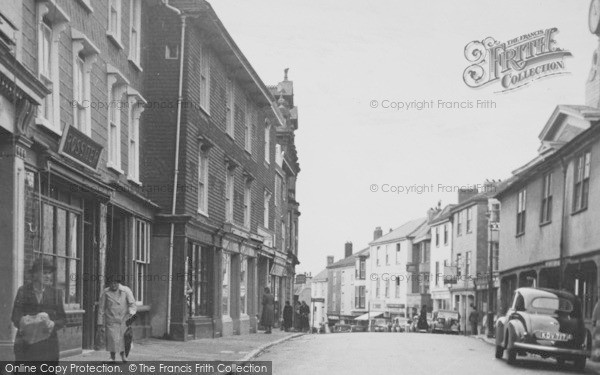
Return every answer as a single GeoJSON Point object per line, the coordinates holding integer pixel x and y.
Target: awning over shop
{"type": "Point", "coordinates": [368, 316]}
{"type": "Point", "coordinates": [278, 270]}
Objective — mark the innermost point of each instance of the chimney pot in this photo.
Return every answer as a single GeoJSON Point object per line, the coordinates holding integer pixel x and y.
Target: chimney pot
{"type": "Point", "coordinates": [329, 260]}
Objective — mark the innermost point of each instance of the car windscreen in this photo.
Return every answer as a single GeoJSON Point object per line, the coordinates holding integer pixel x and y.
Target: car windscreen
{"type": "Point", "coordinates": [447, 315]}
{"type": "Point", "coordinates": [551, 305]}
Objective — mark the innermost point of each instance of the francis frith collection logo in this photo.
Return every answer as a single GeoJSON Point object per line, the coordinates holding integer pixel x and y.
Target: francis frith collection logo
{"type": "Point", "coordinates": [515, 63]}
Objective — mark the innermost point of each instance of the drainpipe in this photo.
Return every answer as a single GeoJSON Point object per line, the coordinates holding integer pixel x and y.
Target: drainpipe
{"type": "Point", "coordinates": [176, 166]}
{"type": "Point", "coordinates": [563, 226]}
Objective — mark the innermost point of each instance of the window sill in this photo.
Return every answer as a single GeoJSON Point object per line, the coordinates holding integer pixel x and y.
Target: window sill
{"type": "Point", "coordinates": [114, 39]}
{"type": "Point", "coordinates": [579, 211]}
{"type": "Point", "coordinates": [204, 110]}
{"type": "Point", "coordinates": [86, 5]}
{"type": "Point", "coordinates": [230, 135]}
{"type": "Point", "coordinates": [136, 65]}
{"type": "Point", "coordinates": [45, 123]}
{"type": "Point", "coordinates": [114, 168]}
{"type": "Point", "coordinates": [135, 181]}
{"type": "Point", "coordinates": [519, 234]}
{"type": "Point", "coordinates": [543, 224]}
{"type": "Point", "coordinates": [200, 212]}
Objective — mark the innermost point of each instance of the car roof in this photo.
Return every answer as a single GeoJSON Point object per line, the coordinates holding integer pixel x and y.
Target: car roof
{"type": "Point", "coordinates": [541, 292]}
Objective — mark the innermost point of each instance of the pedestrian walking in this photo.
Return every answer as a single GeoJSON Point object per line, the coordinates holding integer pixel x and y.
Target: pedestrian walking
{"type": "Point", "coordinates": [116, 307]}
{"type": "Point", "coordinates": [474, 319]}
{"type": "Point", "coordinates": [288, 312]}
{"type": "Point", "coordinates": [304, 313]}
{"type": "Point", "coordinates": [38, 313]}
{"type": "Point", "coordinates": [268, 310]}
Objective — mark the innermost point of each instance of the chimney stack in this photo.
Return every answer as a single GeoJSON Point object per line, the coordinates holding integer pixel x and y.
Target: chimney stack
{"type": "Point", "coordinates": [329, 260]}
{"type": "Point", "coordinates": [347, 249]}
{"type": "Point", "coordinates": [377, 233]}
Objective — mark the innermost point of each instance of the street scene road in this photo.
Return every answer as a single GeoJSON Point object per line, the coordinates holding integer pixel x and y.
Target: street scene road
{"type": "Point", "coordinates": [390, 353]}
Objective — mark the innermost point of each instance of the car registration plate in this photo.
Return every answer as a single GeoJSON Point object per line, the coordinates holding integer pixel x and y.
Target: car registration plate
{"type": "Point", "coordinates": [554, 336]}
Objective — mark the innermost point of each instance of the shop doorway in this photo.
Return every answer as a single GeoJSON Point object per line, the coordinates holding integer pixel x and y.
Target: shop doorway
{"type": "Point", "coordinates": [91, 282]}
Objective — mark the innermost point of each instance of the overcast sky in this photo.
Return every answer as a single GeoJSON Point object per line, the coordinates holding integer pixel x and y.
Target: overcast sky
{"type": "Point", "coordinates": [343, 55]}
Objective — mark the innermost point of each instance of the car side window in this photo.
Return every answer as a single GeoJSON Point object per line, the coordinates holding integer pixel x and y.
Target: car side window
{"type": "Point", "coordinates": [519, 302]}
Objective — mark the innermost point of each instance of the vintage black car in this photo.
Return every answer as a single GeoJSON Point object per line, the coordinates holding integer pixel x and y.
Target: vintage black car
{"type": "Point", "coordinates": [445, 321]}
{"type": "Point", "coordinates": [545, 322]}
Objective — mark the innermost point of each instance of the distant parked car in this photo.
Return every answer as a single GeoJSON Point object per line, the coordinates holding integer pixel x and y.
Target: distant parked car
{"type": "Point", "coordinates": [358, 328]}
{"type": "Point", "coordinates": [380, 325]}
{"type": "Point", "coordinates": [401, 324]}
{"type": "Point", "coordinates": [445, 321]}
{"type": "Point", "coordinates": [339, 328]}
{"type": "Point", "coordinates": [545, 322]}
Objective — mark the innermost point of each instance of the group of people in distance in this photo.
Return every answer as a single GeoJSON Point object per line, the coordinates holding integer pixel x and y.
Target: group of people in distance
{"type": "Point", "coordinates": [268, 314]}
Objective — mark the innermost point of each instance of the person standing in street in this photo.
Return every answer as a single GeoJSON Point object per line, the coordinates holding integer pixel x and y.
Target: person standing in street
{"type": "Point", "coordinates": [116, 306]}
{"type": "Point", "coordinates": [268, 310]}
{"type": "Point", "coordinates": [288, 312]}
{"type": "Point", "coordinates": [304, 313]}
{"type": "Point", "coordinates": [38, 313]}
{"type": "Point", "coordinates": [474, 319]}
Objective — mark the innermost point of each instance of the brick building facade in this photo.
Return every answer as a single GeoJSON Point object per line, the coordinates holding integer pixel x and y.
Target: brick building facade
{"type": "Point", "coordinates": [233, 230]}
{"type": "Point", "coordinates": [88, 123]}
{"type": "Point", "coordinates": [70, 171]}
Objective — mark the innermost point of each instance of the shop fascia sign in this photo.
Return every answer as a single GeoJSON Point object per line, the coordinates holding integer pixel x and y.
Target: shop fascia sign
{"type": "Point", "coordinates": [79, 147]}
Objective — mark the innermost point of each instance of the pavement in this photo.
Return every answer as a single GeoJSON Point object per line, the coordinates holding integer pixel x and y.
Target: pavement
{"type": "Point", "coordinates": [232, 348]}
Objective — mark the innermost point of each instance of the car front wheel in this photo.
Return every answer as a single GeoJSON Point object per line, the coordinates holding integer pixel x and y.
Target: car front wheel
{"type": "Point", "coordinates": [499, 351]}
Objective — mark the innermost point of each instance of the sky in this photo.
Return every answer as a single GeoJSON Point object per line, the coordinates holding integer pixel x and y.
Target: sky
{"type": "Point", "coordinates": [350, 59]}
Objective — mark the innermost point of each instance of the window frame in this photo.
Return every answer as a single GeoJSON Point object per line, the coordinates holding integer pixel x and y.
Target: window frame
{"type": "Point", "coordinates": [204, 87]}
{"type": "Point", "coordinates": [229, 192]}
{"type": "Point", "coordinates": [521, 211]}
{"type": "Point", "coordinates": [113, 32]}
{"type": "Point", "coordinates": [546, 209]}
{"type": "Point", "coordinates": [203, 170]}
{"type": "Point", "coordinates": [581, 182]}
{"type": "Point", "coordinates": [230, 108]}
{"type": "Point", "coordinates": [135, 30]}
{"type": "Point", "coordinates": [52, 19]}
{"type": "Point", "coordinates": [140, 258]}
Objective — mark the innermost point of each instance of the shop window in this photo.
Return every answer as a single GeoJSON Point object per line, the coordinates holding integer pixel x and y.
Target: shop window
{"type": "Point", "coordinates": [61, 234]}
{"type": "Point", "coordinates": [226, 269]}
{"type": "Point", "coordinates": [198, 266]}
{"type": "Point", "coordinates": [141, 259]}
{"type": "Point", "coordinates": [243, 286]}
